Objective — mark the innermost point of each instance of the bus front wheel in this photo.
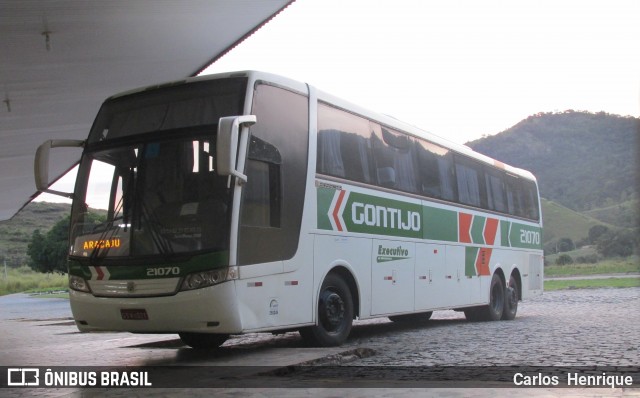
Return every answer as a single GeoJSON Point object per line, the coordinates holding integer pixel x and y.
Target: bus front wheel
{"type": "Point", "coordinates": [203, 341]}
{"type": "Point", "coordinates": [335, 314]}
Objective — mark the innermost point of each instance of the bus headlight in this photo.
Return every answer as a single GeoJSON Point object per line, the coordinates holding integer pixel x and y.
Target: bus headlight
{"type": "Point", "coordinates": [79, 284]}
{"type": "Point", "coordinates": [198, 280]}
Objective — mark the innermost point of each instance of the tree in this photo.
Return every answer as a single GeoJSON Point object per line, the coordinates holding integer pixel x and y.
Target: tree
{"type": "Point", "coordinates": [36, 250]}
{"type": "Point", "coordinates": [48, 253]}
{"type": "Point", "coordinates": [565, 245]}
{"type": "Point", "coordinates": [596, 232]}
{"type": "Point", "coordinates": [620, 243]}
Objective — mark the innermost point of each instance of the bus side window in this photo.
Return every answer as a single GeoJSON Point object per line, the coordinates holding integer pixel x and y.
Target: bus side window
{"type": "Point", "coordinates": [496, 191]}
{"type": "Point", "coordinates": [395, 158]}
{"type": "Point", "coordinates": [329, 153]}
{"type": "Point", "coordinates": [470, 185]}
{"type": "Point", "coordinates": [276, 168]}
{"type": "Point", "coordinates": [262, 195]}
{"type": "Point", "coordinates": [344, 145]}
{"type": "Point", "coordinates": [531, 205]}
{"type": "Point", "coordinates": [514, 199]}
{"type": "Point", "coordinates": [436, 171]}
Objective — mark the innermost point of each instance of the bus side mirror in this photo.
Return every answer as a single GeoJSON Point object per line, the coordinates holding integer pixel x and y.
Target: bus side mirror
{"type": "Point", "coordinates": [231, 145]}
{"type": "Point", "coordinates": [41, 164]}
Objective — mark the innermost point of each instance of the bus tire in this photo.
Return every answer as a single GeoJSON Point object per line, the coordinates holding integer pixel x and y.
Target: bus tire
{"type": "Point", "coordinates": [511, 300]}
{"type": "Point", "coordinates": [203, 341]}
{"type": "Point", "coordinates": [493, 311]}
{"type": "Point", "coordinates": [412, 318]}
{"type": "Point", "coordinates": [335, 314]}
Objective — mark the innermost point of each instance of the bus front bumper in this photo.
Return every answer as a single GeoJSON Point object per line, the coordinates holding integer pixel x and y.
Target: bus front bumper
{"type": "Point", "coordinates": [209, 310]}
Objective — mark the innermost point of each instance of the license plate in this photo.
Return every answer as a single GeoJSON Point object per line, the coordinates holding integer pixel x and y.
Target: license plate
{"type": "Point", "coordinates": [134, 314]}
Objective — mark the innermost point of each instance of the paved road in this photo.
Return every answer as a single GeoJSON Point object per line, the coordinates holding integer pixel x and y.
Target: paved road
{"type": "Point", "coordinates": [562, 328]}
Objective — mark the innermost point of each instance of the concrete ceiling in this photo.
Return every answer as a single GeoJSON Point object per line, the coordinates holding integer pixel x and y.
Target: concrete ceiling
{"type": "Point", "coordinates": [59, 59]}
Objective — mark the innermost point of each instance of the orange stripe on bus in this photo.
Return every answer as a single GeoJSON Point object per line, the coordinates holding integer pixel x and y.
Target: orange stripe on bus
{"type": "Point", "coordinates": [464, 220]}
{"type": "Point", "coordinates": [490, 230]}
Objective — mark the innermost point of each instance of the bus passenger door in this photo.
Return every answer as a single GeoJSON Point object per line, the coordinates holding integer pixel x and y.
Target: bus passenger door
{"type": "Point", "coordinates": [392, 269]}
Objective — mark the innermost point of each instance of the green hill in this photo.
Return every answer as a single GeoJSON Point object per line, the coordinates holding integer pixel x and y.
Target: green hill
{"type": "Point", "coordinates": [582, 160]}
{"type": "Point", "coordinates": [586, 165]}
{"type": "Point", "coordinates": [624, 214]}
{"type": "Point", "coordinates": [562, 222]}
{"type": "Point", "coordinates": [15, 234]}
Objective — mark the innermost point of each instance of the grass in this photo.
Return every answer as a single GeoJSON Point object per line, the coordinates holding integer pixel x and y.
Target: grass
{"type": "Point", "coordinates": [24, 279]}
{"type": "Point", "coordinates": [609, 266]}
{"type": "Point", "coordinates": [591, 283]}
{"type": "Point", "coordinates": [562, 222]}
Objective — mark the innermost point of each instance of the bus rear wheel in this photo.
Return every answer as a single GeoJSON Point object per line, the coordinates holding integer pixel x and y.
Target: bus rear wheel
{"type": "Point", "coordinates": [494, 310]}
{"type": "Point", "coordinates": [203, 341]}
{"type": "Point", "coordinates": [335, 314]}
{"type": "Point", "coordinates": [511, 300]}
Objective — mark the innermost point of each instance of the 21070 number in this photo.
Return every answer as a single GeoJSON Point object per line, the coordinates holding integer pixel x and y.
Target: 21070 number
{"type": "Point", "coordinates": [163, 271]}
{"type": "Point", "coordinates": [530, 237]}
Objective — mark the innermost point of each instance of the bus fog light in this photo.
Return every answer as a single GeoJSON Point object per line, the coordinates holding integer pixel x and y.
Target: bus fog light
{"type": "Point", "coordinates": [79, 284]}
{"type": "Point", "coordinates": [199, 280]}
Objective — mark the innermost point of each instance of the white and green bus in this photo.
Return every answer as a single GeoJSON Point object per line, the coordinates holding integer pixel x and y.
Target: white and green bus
{"type": "Point", "coordinates": [248, 202]}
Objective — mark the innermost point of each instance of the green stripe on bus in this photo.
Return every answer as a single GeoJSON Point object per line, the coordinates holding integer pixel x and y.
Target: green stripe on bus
{"type": "Point", "coordinates": [477, 229]}
{"type": "Point", "coordinates": [471, 253]}
{"type": "Point", "coordinates": [440, 224]}
{"type": "Point", "coordinates": [525, 236]}
{"type": "Point", "coordinates": [504, 233]}
{"type": "Point", "coordinates": [369, 214]}
{"type": "Point", "coordinates": [325, 196]}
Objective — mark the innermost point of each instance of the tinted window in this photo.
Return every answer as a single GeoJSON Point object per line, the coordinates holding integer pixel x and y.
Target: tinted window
{"type": "Point", "coordinates": [469, 182]}
{"type": "Point", "coordinates": [496, 191]}
{"type": "Point", "coordinates": [436, 171]}
{"type": "Point", "coordinates": [344, 147]}
{"type": "Point", "coordinates": [395, 160]}
{"type": "Point", "coordinates": [277, 164]}
{"type": "Point", "coordinates": [354, 148]}
{"type": "Point", "coordinates": [187, 105]}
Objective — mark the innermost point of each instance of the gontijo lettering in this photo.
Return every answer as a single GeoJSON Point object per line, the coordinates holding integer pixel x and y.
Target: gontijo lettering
{"type": "Point", "coordinates": [386, 217]}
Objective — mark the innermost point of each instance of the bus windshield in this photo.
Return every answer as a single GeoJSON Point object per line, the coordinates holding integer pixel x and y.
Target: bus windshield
{"type": "Point", "coordinates": [147, 184]}
{"type": "Point", "coordinates": [151, 198]}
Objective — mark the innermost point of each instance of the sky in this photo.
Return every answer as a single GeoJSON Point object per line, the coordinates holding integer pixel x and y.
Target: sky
{"type": "Point", "coordinates": [460, 69]}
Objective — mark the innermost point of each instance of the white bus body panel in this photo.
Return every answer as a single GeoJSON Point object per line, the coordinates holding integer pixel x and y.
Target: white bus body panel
{"type": "Point", "coordinates": [190, 311]}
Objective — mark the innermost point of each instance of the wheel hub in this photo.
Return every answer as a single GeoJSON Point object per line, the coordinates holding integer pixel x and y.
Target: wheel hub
{"type": "Point", "coordinates": [331, 309]}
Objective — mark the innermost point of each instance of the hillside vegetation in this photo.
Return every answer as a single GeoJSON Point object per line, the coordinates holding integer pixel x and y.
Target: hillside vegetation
{"type": "Point", "coordinates": [587, 170]}
{"type": "Point", "coordinates": [582, 160]}
{"type": "Point", "coordinates": [562, 222]}
{"type": "Point", "coordinates": [15, 234]}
